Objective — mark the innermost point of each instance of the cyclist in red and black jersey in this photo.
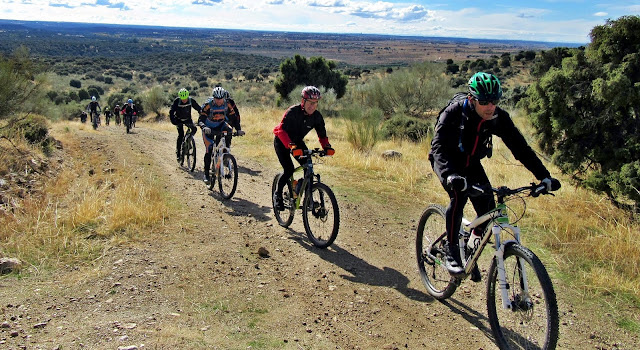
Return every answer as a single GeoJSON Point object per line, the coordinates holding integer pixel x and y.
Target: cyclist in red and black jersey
{"type": "Point", "coordinates": [296, 123]}
{"type": "Point", "coordinates": [462, 138]}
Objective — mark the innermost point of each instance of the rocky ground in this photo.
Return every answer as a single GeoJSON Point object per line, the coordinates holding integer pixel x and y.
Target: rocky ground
{"type": "Point", "coordinates": [202, 283]}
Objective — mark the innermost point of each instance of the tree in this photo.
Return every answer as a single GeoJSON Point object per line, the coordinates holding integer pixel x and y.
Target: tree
{"type": "Point", "coordinates": [16, 81]}
{"type": "Point", "coordinates": [586, 111]}
{"type": "Point", "coordinates": [316, 71]}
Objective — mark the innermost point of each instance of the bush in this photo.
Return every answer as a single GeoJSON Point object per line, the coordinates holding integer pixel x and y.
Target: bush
{"type": "Point", "coordinates": [75, 83]}
{"type": "Point", "coordinates": [34, 128]}
{"type": "Point", "coordinates": [363, 127]}
{"type": "Point", "coordinates": [405, 127]}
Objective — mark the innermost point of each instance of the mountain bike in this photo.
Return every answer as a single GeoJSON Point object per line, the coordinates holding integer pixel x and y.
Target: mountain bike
{"type": "Point", "coordinates": [95, 119]}
{"type": "Point", "coordinates": [127, 121]}
{"type": "Point", "coordinates": [320, 213]}
{"type": "Point", "coordinates": [223, 166]}
{"type": "Point", "coordinates": [188, 150]}
{"type": "Point", "coordinates": [521, 302]}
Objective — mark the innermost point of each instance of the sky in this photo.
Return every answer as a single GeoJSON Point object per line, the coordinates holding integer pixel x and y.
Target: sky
{"type": "Point", "coordinates": [558, 21]}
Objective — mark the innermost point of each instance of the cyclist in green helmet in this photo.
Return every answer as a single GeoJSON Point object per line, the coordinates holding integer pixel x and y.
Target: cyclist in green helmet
{"type": "Point", "coordinates": [462, 138]}
{"type": "Point", "coordinates": [180, 115]}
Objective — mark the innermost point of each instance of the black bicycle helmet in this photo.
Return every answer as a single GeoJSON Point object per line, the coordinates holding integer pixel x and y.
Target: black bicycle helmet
{"type": "Point", "coordinates": [311, 92]}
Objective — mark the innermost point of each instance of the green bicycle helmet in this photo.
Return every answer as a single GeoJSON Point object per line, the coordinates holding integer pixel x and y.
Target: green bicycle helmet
{"type": "Point", "coordinates": [183, 94]}
{"type": "Point", "coordinates": [485, 87]}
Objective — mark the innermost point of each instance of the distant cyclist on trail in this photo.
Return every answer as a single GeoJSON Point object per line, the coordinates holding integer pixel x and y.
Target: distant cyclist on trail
{"type": "Point", "coordinates": [93, 108]}
{"type": "Point", "coordinates": [462, 138]}
{"type": "Point", "coordinates": [130, 110]}
{"type": "Point", "coordinates": [180, 115]}
{"type": "Point", "coordinates": [219, 113]}
{"type": "Point", "coordinates": [296, 123]}
{"type": "Point", "coordinates": [116, 113]}
{"type": "Point", "coordinates": [107, 114]}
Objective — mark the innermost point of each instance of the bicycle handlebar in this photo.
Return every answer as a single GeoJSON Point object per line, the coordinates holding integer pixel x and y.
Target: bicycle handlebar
{"type": "Point", "coordinates": [315, 151]}
{"type": "Point", "coordinates": [534, 190]}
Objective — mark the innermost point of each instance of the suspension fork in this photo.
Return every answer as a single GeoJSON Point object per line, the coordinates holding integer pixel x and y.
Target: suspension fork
{"type": "Point", "coordinates": [503, 284]}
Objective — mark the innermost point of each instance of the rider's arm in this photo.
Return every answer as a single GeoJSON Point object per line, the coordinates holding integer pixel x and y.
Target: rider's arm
{"type": "Point", "coordinates": [321, 129]}
{"type": "Point", "coordinates": [280, 132]}
{"type": "Point", "coordinates": [445, 155]}
{"type": "Point", "coordinates": [234, 119]}
{"type": "Point", "coordinates": [195, 105]}
{"type": "Point", "coordinates": [519, 147]}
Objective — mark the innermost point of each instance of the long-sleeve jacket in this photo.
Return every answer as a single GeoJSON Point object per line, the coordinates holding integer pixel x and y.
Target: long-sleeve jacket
{"type": "Point", "coordinates": [129, 109]}
{"type": "Point", "coordinates": [462, 138]}
{"type": "Point", "coordinates": [181, 111]}
{"type": "Point", "coordinates": [94, 106]}
{"type": "Point", "coordinates": [213, 116]}
{"type": "Point", "coordinates": [295, 125]}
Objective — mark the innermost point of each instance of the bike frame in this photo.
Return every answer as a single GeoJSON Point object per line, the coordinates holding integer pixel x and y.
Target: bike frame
{"type": "Point", "coordinates": [498, 216]}
{"type": "Point", "coordinates": [218, 153]}
{"type": "Point", "coordinates": [307, 179]}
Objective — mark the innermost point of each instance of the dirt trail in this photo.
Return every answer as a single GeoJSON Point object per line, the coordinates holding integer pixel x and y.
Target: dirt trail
{"type": "Point", "coordinates": [204, 285]}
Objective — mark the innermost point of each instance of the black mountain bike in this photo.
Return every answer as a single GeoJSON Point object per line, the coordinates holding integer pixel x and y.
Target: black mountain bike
{"type": "Point", "coordinates": [320, 213]}
{"type": "Point", "coordinates": [95, 119]}
{"type": "Point", "coordinates": [188, 150]}
{"type": "Point", "coordinates": [521, 303]}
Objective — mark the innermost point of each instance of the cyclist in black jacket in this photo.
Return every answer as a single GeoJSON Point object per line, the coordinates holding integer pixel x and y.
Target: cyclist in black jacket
{"type": "Point", "coordinates": [462, 138]}
{"type": "Point", "coordinates": [296, 123]}
{"type": "Point", "coordinates": [180, 116]}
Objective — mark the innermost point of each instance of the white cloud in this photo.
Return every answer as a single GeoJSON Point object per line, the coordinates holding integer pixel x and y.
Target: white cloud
{"type": "Point", "coordinates": [600, 14]}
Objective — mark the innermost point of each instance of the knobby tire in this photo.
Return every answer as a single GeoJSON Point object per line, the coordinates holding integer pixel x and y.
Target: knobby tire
{"type": "Point", "coordinates": [320, 215]}
{"type": "Point", "coordinates": [533, 322]}
{"type": "Point", "coordinates": [434, 274]}
{"type": "Point", "coordinates": [228, 183]}
{"type": "Point", "coordinates": [284, 217]}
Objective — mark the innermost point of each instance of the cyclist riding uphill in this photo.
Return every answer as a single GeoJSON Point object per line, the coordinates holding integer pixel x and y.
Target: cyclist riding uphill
{"type": "Point", "coordinates": [218, 114]}
{"type": "Point", "coordinates": [462, 138]}
{"type": "Point", "coordinates": [93, 107]}
{"type": "Point", "coordinates": [296, 123]}
{"type": "Point", "coordinates": [130, 109]}
{"type": "Point", "coordinates": [180, 115]}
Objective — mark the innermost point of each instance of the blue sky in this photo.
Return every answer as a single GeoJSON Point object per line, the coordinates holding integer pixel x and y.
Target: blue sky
{"type": "Point", "coordinates": [566, 21]}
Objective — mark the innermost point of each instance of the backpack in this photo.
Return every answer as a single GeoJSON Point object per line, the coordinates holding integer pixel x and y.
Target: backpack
{"type": "Point", "coordinates": [459, 97]}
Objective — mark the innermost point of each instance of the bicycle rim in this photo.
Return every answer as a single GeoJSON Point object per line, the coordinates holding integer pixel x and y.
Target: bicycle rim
{"type": "Point", "coordinates": [284, 217]}
{"type": "Point", "coordinates": [190, 154]}
{"type": "Point", "coordinates": [434, 275]}
{"type": "Point", "coordinates": [320, 215]}
{"type": "Point", "coordinates": [533, 322]}
{"type": "Point", "coordinates": [228, 176]}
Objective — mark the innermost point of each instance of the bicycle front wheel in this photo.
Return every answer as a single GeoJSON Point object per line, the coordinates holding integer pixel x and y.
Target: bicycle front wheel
{"type": "Point", "coordinates": [320, 215]}
{"type": "Point", "coordinates": [285, 216]}
{"type": "Point", "coordinates": [532, 321]}
{"type": "Point", "coordinates": [228, 176]}
{"type": "Point", "coordinates": [431, 234]}
{"type": "Point", "coordinates": [189, 153]}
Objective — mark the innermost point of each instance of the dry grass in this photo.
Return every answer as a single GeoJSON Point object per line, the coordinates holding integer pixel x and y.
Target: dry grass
{"type": "Point", "coordinates": [81, 212]}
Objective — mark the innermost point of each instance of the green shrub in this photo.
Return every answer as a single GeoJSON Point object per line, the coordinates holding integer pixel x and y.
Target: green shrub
{"type": "Point", "coordinates": [405, 127]}
{"type": "Point", "coordinates": [33, 128]}
{"type": "Point", "coordinates": [75, 83]}
{"type": "Point", "coordinates": [363, 127]}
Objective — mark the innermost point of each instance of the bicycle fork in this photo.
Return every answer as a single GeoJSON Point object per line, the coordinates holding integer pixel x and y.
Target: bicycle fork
{"type": "Point", "coordinates": [503, 284]}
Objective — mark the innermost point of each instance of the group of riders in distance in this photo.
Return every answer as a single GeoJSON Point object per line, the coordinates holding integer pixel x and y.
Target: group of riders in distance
{"type": "Point", "coordinates": [462, 138]}
{"type": "Point", "coordinates": [129, 114]}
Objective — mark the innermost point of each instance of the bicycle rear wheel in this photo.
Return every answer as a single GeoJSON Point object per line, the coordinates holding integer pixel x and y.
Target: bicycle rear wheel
{"type": "Point", "coordinates": [320, 215]}
{"type": "Point", "coordinates": [284, 217]}
{"type": "Point", "coordinates": [435, 276]}
{"type": "Point", "coordinates": [228, 182]}
{"type": "Point", "coordinates": [189, 153]}
{"type": "Point", "coordinates": [532, 321]}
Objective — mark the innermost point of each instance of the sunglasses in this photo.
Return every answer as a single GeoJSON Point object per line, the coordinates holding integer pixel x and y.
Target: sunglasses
{"type": "Point", "coordinates": [484, 103]}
